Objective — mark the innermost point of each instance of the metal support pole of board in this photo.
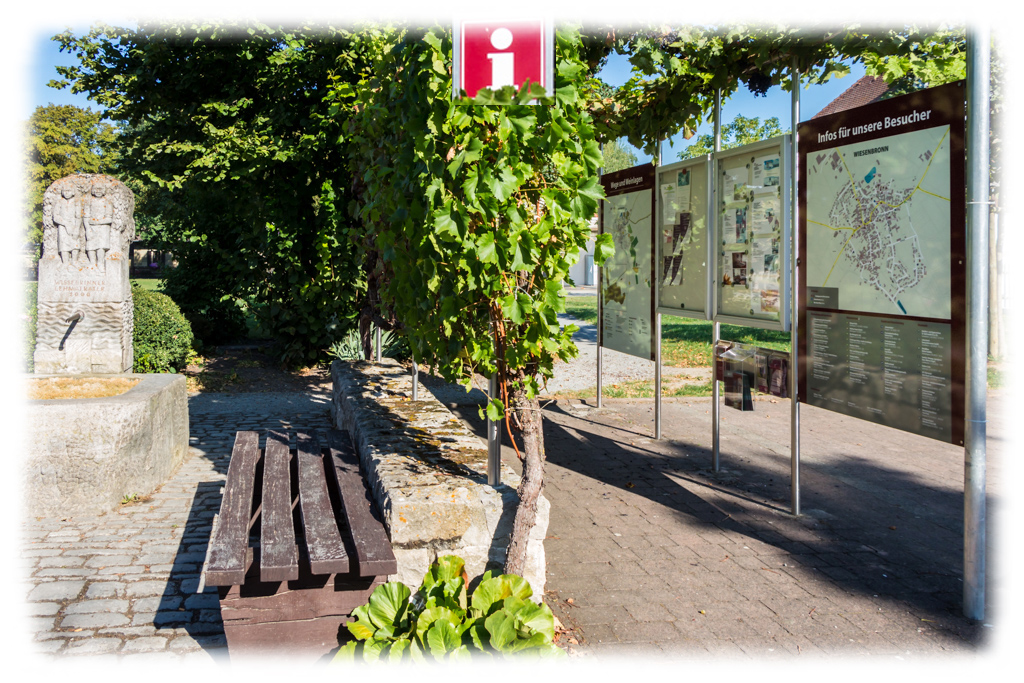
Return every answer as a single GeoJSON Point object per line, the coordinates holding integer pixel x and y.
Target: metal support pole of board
{"type": "Point", "coordinates": [415, 381]}
{"type": "Point", "coordinates": [978, 74]}
{"type": "Point", "coordinates": [716, 329]}
{"type": "Point", "coordinates": [657, 333]}
{"type": "Point", "coordinates": [600, 300]}
{"type": "Point", "coordinates": [794, 422]}
{"type": "Point", "coordinates": [376, 342]}
{"type": "Point", "coordinates": [493, 440]}
{"type": "Point", "coordinates": [657, 376]}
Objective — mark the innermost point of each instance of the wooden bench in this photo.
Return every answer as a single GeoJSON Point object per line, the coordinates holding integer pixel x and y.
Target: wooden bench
{"type": "Point", "coordinates": [297, 545]}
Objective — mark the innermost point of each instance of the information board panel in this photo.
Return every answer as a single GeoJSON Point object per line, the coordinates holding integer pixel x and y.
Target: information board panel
{"type": "Point", "coordinates": [682, 250]}
{"type": "Point", "coordinates": [752, 235]}
{"type": "Point", "coordinates": [883, 282]}
{"type": "Point", "coordinates": [626, 301]}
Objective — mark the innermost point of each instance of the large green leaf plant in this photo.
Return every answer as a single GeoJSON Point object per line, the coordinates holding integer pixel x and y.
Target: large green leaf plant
{"type": "Point", "coordinates": [440, 623]}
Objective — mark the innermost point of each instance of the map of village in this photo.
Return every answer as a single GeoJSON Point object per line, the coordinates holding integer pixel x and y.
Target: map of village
{"type": "Point", "coordinates": [878, 216]}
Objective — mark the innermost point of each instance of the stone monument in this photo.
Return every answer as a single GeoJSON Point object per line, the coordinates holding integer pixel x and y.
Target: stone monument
{"type": "Point", "coordinates": [85, 297]}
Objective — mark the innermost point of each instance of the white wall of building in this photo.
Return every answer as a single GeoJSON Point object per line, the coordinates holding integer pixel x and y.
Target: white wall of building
{"type": "Point", "coordinates": [579, 271]}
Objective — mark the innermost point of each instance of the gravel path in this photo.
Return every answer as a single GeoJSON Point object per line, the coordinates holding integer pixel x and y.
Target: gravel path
{"type": "Point", "coordinates": [578, 374]}
{"type": "Point", "coordinates": [581, 372]}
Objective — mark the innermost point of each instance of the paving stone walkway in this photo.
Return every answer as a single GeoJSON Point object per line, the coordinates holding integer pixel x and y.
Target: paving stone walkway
{"type": "Point", "coordinates": [651, 551]}
{"type": "Point", "coordinates": [125, 583]}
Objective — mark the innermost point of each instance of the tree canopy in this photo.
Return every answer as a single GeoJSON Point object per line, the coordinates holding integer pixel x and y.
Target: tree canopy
{"type": "Point", "coordinates": [61, 140]}
{"type": "Point", "coordinates": [617, 157]}
{"type": "Point", "coordinates": [741, 131]}
{"type": "Point", "coordinates": [231, 123]}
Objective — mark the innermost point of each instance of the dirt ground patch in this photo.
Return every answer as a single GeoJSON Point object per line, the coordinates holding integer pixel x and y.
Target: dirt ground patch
{"type": "Point", "coordinates": [248, 369]}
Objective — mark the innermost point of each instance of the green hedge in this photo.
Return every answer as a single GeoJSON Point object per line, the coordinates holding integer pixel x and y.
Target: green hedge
{"type": "Point", "coordinates": [162, 337]}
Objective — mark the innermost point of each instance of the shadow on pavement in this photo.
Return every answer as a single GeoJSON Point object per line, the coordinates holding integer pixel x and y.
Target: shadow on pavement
{"type": "Point", "coordinates": [869, 529]}
{"type": "Point", "coordinates": [181, 606]}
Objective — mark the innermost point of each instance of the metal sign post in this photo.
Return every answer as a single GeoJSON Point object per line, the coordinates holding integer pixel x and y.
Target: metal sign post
{"type": "Point", "coordinates": [600, 291]}
{"type": "Point", "coordinates": [978, 73]}
{"type": "Point", "coordinates": [794, 429]}
{"type": "Point", "coordinates": [493, 439]}
{"type": "Point", "coordinates": [657, 322]}
{"type": "Point", "coordinates": [415, 381]}
{"type": "Point", "coordinates": [716, 328]}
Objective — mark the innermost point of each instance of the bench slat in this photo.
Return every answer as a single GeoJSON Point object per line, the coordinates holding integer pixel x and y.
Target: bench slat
{"type": "Point", "coordinates": [374, 555]}
{"type": "Point", "coordinates": [227, 548]}
{"type": "Point", "coordinates": [323, 541]}
{"type": "Point", "coordinates": [279, 556]}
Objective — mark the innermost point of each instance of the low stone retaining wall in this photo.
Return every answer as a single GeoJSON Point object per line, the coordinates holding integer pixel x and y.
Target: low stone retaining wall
{"type": "Point", "coordinates": [85, 455]}
{"type": "Point", "coordinates": [428, 474]}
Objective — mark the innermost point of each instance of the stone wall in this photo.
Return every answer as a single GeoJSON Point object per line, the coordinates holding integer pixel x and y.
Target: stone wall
{"type": "Point", "coordinates": [428, 474]}
{"type": "Point", "coordinates": [85, 455]}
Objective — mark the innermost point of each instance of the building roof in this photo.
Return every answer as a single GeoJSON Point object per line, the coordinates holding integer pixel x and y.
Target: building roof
{"type": "Point", "coordinates": [865, 91]}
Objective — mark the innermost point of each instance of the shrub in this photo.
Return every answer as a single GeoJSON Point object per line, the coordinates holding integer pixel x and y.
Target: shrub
{"type": "Point", "coordinates": [162, 337]}
{"type": "Point", "coordinates": [441, 623]}
{"type": "Point", "coordinates": [215, 316]}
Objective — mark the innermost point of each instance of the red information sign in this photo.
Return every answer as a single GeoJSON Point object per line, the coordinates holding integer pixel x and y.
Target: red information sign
{"type": "Point", "coordinates": [492, 54]}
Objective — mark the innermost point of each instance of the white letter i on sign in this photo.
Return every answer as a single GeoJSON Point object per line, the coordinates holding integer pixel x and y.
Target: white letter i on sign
{"type": "Point", "coordinates": [503, 64]}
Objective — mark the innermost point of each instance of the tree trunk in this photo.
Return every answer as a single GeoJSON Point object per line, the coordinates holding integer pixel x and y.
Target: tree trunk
{"type": "Point", "coordinates": [528, 413]}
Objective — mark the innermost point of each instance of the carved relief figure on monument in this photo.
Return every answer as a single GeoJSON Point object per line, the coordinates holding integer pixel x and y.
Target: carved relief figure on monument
{"type": "Point", "coordinates": [67, 216]}
{"type": "Point", "coordinates": [99, 215]}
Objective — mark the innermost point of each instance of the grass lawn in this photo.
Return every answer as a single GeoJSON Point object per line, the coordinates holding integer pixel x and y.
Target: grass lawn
{"type": "Point", "coordinates": [150, 283]}
{"type": "Point", "coordinates": [685, 342]}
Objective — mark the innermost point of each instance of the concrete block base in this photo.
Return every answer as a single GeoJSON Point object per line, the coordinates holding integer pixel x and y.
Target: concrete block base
{"type": "Point", "coordinates": [85, 455]}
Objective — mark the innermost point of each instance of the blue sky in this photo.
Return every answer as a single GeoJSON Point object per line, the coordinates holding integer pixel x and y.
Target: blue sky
{"type": "Point", "coordinates": [45, 56]}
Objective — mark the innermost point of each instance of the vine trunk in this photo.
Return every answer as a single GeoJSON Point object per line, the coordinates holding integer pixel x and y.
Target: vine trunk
{"type": "Point", "coordinates": [528, 415]}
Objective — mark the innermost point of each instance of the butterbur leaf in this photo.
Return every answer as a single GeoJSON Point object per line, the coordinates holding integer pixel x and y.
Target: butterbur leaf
{"type": "Point", "coordinates": [461, 654]}
{"type": "Point", "coordinates": [448, 567]}
{"type": "Point", "coordinates": [373, 649]}
{"type": "Point", "coordinates": [346, 653]}
{"type": "Point", "coordinates": [388, 604]}
{"type": "Point", "coordinates": [518, 586]}
{"type": "Point", "coordinates": [361, 628]}
{"type": "Point", "coordinates": [534, 641]}
{"type": "Point", "coordinates": [537, 618]}
{"type": "Point", "coordinates": [442, 638]}
{"type": "Point", "coordinates": [479, 636]}
{"type": "Point", "coordinates": [489, 593]}
{"type": "Point", "coordinates": [416, 652]}
{"type": "Point", "coordinates": [502, 628]}
{"type": "Point", "coordinates": [398, 650]}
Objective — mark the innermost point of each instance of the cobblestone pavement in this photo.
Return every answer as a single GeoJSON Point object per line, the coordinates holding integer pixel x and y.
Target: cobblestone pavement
{"type": "Point", "coordinates": [124, 584]}
{"type": "Point", "coordinates": [650, 551]}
